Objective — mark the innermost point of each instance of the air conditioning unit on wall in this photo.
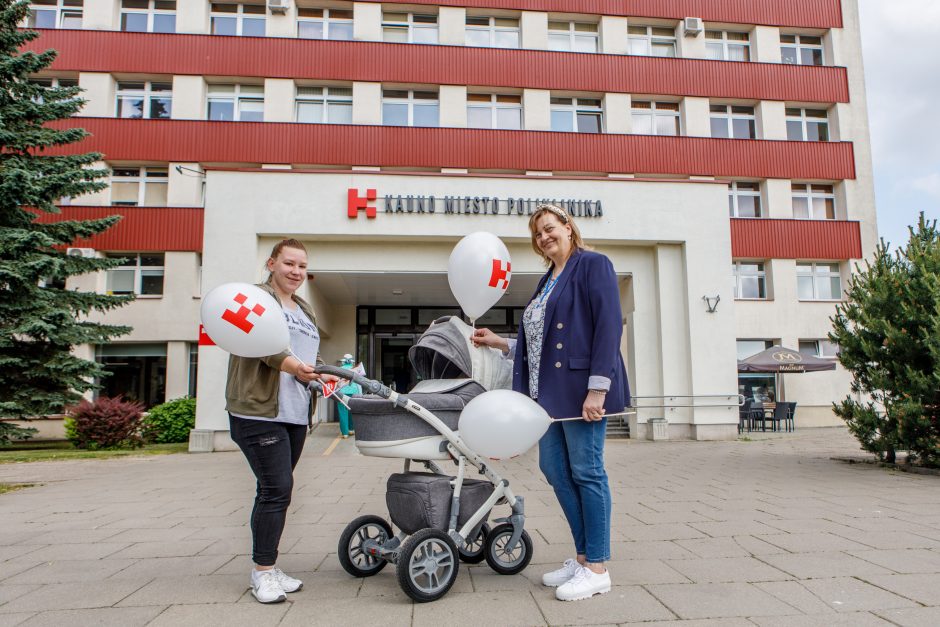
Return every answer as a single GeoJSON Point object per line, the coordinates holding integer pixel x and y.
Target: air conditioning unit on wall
{"type": "Point", "coordinates": [693, 26]}
{"type": "Point", "coordinates": [279, 6]}
{"type": "Point", "coordinates": [80, 252]}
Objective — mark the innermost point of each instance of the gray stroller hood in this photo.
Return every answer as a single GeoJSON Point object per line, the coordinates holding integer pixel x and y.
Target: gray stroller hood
{"type": "Point", "coordinates": [445, 351]}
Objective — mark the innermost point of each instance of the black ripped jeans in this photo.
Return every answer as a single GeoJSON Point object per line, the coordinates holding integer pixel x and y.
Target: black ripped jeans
{"type": "Point", "coordinates": [272, 449]}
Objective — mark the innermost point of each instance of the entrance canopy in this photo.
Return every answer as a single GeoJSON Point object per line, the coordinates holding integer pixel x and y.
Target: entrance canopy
{"type": "Point", "coordinates": [780, 359]}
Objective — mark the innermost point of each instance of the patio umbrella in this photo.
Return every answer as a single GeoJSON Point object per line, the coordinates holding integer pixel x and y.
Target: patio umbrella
{"type": "Point", "coordinates": [778, 359]}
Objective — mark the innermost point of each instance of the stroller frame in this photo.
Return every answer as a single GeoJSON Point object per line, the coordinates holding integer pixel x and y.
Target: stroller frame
{"type": "Point", "coordinates": [385, 548]}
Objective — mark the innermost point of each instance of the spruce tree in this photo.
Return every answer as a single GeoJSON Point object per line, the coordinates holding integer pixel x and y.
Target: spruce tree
{"type": "Point", "coordinates": [888, 332]}
{"type": "Point", "coordinates": [39, 322]}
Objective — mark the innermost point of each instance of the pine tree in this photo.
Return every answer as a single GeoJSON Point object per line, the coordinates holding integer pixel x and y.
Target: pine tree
{"type": "Point", "coordinates": [41, 323]}
{"type": "Point", "coordinates": [889, 337]}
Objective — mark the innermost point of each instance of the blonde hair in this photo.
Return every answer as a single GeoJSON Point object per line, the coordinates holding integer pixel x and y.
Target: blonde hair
{"type": "Point", "coordinates": [576, 242]}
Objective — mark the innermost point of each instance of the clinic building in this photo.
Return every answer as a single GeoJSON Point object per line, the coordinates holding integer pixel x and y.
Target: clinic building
{"type": "Point", "coordinates": [718, 152]}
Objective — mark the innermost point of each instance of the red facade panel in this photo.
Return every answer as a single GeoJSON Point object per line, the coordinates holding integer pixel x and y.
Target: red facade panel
{"type": "Point", "coordinates": [802, 13]}
{"type": "Point", "coordinates": [390, 146]}
{"type": "Point", "coordinates": [144, 53]}
{"type": "Point", "coordinates": [142, 229]}
{"type": "Point", "coordinates": [795, 239]}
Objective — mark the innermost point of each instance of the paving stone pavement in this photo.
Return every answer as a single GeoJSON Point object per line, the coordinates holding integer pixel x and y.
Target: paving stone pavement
{"type": "Point", "coordinates": [766, 532]}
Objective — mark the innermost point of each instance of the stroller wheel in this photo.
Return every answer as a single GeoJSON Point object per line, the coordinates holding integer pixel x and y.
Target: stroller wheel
{"type": "Point", "coordinates": [472, 550]}
{"type": "Point", "coordinates": [507, 562]}
{"type": "Point", "coordinates": [428, 565]}
{"type": "Point", "coordinates": [354, 560]}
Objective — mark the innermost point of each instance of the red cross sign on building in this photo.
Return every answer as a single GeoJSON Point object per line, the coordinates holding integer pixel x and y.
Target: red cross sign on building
{"type": "Point", "coordinates": [240, 318]}
{"type": "Point", "coordinates": [356, 203]}
{"type": "Point", "coordinates": [500, 274]}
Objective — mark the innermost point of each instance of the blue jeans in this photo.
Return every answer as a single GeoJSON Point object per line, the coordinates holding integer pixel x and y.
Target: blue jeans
{"type": "Point", "coordinates": [272, 449]}
{"type": "Point", "coordinates": [571, 456]}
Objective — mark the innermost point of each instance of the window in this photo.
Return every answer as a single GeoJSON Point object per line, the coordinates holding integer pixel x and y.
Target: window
{"type": "Point", "coordinates": [572, 37]}
{"type": "Point", "coordinates": [145, 187]}
{"type": "Point", "coordinates": [801, 50]}
{"type": "Point", "coordinates": [148, 16]}
{"type": "Point", "coordinates": [246, 20]}
{"type": "Point", "coordinates": [492, 32]}
{"type": "Point", "coordinates": [724, 46]}
{"type": "Point", "coordinates": [53, 83]}
{"type": "Point", "coordinates": [55, 14]}
{"type": "Point", "coordinates": [813, 202]}
{"type": "Point", "coordinates": [144, 100]}
{"type": "Point", "coordinates": [336, 24]}
{"type": "Point", "coordinates": [652, 41]}
{"type": "Point", "coordinates": [243, 103]}
{"type": "Point", "coordinates": [732, 121]}
{"type": "Point", "coordinates": [577, 115]}
{"type": "Point", "coordinates": [823, 349]}
{"type": "Point", "coordinates": [138, 372]}
{"type": "Point", "coordinates": [655, 118]}
{"type": "Point", "coordinates": [818, 281]}
{"type": "Point", "coordinates": [749, 348]}
{"type": "Point", "coordinates": [494, 111]}
{"type": "Point", "coordinates": [750, 280]}
{"type": "Point", "coordinates": [409, 28]}
{"type": "Point", "coordinates": [807, 125]}
{"type": "Point", "coordinates": [410, 108]}
{"type": "Point", "coordinates": [324, 105]}
{"type": "Point", "coordinates": [744, 200]}
{"type": "Point", "coordinates": [140, 274]}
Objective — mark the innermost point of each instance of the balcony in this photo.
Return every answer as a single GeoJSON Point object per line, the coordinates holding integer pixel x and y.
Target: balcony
{"type": "Point", "coordinates": [753, 238]}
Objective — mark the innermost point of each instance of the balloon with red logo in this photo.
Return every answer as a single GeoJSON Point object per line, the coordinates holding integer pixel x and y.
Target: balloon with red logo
{"type": "Point", "coordinates": [478, 272]}
{"type": "Point", "coordinates": [244, 320]}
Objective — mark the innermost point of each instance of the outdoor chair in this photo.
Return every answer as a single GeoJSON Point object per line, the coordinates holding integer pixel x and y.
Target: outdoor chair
{"type": "Point", "coordinates": [779, 417]}
{"type": "Point", "coordinates": [744, 416]}
{"type": "Point", "coordinates": [791, 413]}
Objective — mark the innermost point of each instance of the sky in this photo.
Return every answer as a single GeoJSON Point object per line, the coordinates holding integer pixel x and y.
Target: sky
{"type": "Point", "coordinates": [901, 49]}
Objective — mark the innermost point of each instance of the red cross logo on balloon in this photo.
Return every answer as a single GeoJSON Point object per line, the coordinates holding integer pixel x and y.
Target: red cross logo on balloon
{"type": "Point", "coordinates": [240, 318]}
{"type": "Point", "coordinates": [500, 274]}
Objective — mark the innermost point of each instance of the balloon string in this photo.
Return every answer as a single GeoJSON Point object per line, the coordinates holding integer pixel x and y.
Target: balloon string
{"type": "Point", "coordinates": [294, 355]}
{"type": "Point", "coordinates": [582, 418]}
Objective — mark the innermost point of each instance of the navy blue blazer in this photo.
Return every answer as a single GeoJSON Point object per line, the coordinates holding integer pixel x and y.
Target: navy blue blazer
{"type": "Point", "coordinates": [583, 327]}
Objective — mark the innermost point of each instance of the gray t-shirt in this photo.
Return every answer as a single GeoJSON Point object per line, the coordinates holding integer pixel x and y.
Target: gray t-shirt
{"type": "Point", "coordinates": [293, 397]}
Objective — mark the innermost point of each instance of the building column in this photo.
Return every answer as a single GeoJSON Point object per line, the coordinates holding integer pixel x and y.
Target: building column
{"type": "Point", "coordinates": [184, 187]}
{"type": "Point", "coordinates": [100, 94]}
{"type": "Point", "coordinates": [451, 26]}
{"type": "Point", "coordinates": [771, 119]}
{"type": "Point", "coordinates": [279, 98]}
{"type": "Point", "coordinates": [537, 109]}
{"type": "Point", "coordinates": [777, 199]}
{"type": "Point", "coordinates": [765, 44]}
{"type": "Point", "coordinates": [690, 46]}
{"type": "Point", "coordinates": [189, 98]}
{"type": "Point", "coordinates": [282, 24]}
{"type": "Point", "coordinates": [453, 103]}
{"type": "Point", "coordinates": [177, 370]}
{"type": "Point", "coordinates": [696, 120]}
{"type": "Point", "coordinates": [617, 118]}
{"type": "Point", "coordinates": [613, 32]}
{"type": "Point", "coordinates": [101, 15]}
{"type": "Point", "coordinates": [534, 27]}
{"type": "Point", "coordinates": [95, 199]}
{"type": "Point", "coordinates": [192, 17]}
{"type": "Point", "coordinates": [367, 21]}
{"type": "Point", "coordinates": [367, 103]}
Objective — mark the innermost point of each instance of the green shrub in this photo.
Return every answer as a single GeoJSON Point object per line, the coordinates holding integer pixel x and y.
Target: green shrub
{"type": "Point", "coordinates": [107, 423]}
{"type": "Point", "coordinates": [171, 422]}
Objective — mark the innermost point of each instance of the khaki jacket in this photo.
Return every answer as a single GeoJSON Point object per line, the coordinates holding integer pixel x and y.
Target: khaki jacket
{"type": "Point", "coordinates": [252, 385]}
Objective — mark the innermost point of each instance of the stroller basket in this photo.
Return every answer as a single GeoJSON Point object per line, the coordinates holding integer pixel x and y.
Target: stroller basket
{"type": "Point", "coordinates": [418, 500]}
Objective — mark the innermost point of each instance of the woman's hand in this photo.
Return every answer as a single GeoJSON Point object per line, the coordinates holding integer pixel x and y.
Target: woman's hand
{"type": "Point", "coordinates": [301, 371]}
{"type": "Point", "coordinates": [485, 337]}
{"type": "Point", "coordinates": [593, 408]}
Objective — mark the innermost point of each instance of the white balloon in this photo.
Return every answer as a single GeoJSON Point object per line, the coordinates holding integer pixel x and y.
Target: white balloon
{"type": "Point", "coordinates": [500, 424]}
{"type": "Point", "coordinates": [244, 320]}
{"type": "Point", "coordinates": [478, 272]}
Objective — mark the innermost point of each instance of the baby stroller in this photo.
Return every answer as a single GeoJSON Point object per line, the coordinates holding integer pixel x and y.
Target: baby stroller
{"type": "Point", "coordinates": [441, 519]}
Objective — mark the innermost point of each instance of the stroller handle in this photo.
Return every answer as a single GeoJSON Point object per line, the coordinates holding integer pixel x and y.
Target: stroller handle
{"type": "Point", "coordinates": [369, 385]}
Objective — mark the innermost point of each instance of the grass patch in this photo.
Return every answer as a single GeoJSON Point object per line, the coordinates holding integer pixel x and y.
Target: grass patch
{"type": "Point", "coordinates": [12, 487]}
{"type": "Point", "coordinates": [23, 452]}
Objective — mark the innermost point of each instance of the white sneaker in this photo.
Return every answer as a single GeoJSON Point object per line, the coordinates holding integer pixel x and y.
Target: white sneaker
{"type": "Point", "coordinates": [288, 583]}
{"type": "Point", "coordinates": [585, 584]}
{"type": "Point", "coordinates": [265, 587]}
{"type": "Point", "coordinates": [562, 575]}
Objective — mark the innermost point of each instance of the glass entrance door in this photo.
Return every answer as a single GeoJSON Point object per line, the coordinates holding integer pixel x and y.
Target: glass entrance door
{"type": "Point", "coordinates": [392, 366]}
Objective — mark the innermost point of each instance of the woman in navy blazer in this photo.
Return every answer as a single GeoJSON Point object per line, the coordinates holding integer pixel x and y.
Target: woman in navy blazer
{"type": "Point", "coordinates": [568, 359]}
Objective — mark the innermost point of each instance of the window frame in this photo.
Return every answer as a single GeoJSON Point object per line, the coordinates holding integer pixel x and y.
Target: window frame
{"type": "Point", "coordinates": [146, 176]}
{"type": "Point", "coordinates": [816, 275]}
{"type": "Point", "coordinates": [493, 106]}
{"type": "Point", "coordinates": [60, 8]}
{"type": "Point", "coordinates": [810, 195]}
{"type": "Point", "coordinates": [151, 12]}
{"type": "Point", "coordinates": [729, 115]}
{"type": "Point", "coordinates": [328, 21]}
{"type": "Point", "coordinates": [410, 26]}
{"type": "Point", "coordinates": [325, 99]}
{"type": "Point", "coordinates": [818, 351]}
{"type": "Point", "coordinates": [410, 101]}
{"type": "Point", "coordinates": [726, 44]}
{"type": "Point", "coordinates": [492, 29]}
{"type": "Point", "coordinates": [578, 106]}
{"type": "Point", "coordinates": [147, 95]}
{"type": "Point", "coordinates": [799, 46]}
{"type": "Point", "coordinates": [760, 274]}
{"type": "Point", "coordinates": [735, 193]}
{"type": "Point", "coordinates": [650, 39]}
{"type": "Point", "coordinates": [573, 35]}
{"type": "Point", "coordinates": [653, 115]}
{"type": "Point", "coordinates": [240, 17]}
{"type": "Point", "coordinates": [237, 98]}
{"type": "Point", "coordinates": [140, 271]}
{"type": "Point", "coordinates": [804, 120]}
